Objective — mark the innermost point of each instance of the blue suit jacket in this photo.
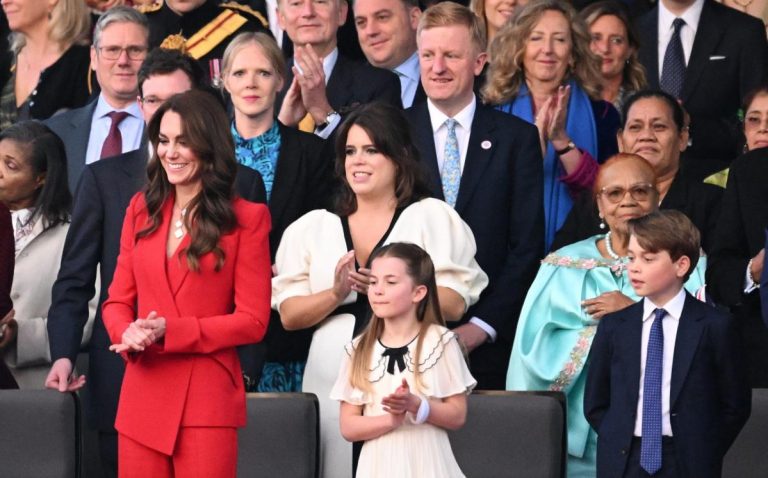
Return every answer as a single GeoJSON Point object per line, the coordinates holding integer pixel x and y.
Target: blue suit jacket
{"type": "Point", "coordinates": [709, 397]}
{"type": "Point", "coordinates": [501, 199]}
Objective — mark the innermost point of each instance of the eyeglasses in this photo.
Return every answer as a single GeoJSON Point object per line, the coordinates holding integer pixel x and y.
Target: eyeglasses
{"type": "Point", "coordinates": [639, 192]}
{"type": "Point", "coordinates": [113, 52]}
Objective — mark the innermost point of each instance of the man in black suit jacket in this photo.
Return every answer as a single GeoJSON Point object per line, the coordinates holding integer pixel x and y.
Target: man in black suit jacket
{"type": "Point", "coordinates": [322, 83]}
{"type": "Point", "coordinates": [736, 260]}
{"type": "Point", "coordinates": [84, 130]}
{"type": "Point", "coordinates": [93, 242]}
{"type": "Point", "coordinates": [387, 33]}
{"type": "Point", "coordinates": [654, 129]}
{"type": "Point", "coordinates": [726, 59]}
{"type": "Point", "coordinates": [709, 400]}
{"type": "Point", "coordinates": [500, 193]}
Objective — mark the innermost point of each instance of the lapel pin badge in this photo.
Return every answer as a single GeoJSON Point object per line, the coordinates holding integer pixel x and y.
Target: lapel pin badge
{"type": "Point", "coordinates": [485, 144]}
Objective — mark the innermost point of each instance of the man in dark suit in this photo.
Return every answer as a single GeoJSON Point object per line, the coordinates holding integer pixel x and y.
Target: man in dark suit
{"type": "Point", "coordinates": [654, 128]}
{"type": "Point", "coordinates": [93, 242]}
{"type": "Point", "coordinates": [387, 33]}
{"type": "Point", "coordinates": [725, 55]}
{"type": "Point", "coordinates": [322, 83]}
{"type": "Point", "coordinates": [737, 256]}
{"type": "Point", "coordinates": [90, 133]}
{"type": "Point", "coordinates": [666, 390]}
{"type": "Point", "coordinates": [487, 164]}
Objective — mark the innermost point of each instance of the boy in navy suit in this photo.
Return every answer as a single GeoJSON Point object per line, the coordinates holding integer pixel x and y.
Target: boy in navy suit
{"type": "Point", "coordinates": [666, 391]}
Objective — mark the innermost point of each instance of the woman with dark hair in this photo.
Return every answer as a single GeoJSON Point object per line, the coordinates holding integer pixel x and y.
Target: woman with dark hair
{"type": "Point", "coordinates": [191, 284]}
{"type": "Point", "coordinates": [543, 71]}
{"type": "Point", "coordinates": [322, 261]}
{"type": "Point", "coordinates": [614, 40]}
{"type": "Point", "coordinates": [33, 185]}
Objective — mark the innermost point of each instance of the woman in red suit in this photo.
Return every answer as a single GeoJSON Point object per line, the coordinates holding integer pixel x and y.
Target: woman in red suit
{"type": "Point", "coordinates": [192, 283]}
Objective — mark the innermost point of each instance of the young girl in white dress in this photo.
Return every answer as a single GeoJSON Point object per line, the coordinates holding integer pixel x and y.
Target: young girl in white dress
{"type": "Point", "coordinates": [404, 380]}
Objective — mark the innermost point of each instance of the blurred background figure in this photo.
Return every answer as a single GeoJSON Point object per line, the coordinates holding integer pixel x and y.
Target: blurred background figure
{"type": "Point", "coordinates": [495, 13]}
{"type": "Point", "coordinates": [33, 185]}
{"type": "Point", "coordinates": [614, 40]}
{"type": "Point", "coordinates": [50, 63]}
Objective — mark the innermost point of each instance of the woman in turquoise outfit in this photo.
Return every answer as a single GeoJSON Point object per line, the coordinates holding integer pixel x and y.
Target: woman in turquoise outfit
{"type": "Point", "coordinates": [574, 288]}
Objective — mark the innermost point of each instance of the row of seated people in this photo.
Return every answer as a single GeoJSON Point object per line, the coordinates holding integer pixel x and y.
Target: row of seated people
{"type": "Point", "coordinates": [485, 199]}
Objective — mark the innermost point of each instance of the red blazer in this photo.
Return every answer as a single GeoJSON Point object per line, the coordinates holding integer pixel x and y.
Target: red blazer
{"type": "Point", "coordinates": [192, 377]}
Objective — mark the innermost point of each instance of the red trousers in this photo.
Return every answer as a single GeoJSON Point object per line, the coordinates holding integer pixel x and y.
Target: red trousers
{"type": "Point", "coordinates": [201, 452]}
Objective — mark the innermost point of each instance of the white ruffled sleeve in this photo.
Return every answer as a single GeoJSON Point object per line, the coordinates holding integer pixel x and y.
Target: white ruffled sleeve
{"type": "Point", "coordinates": [343, 390]}
{"type": "Point", "coordinates": [438, 229]}
{"type": "Point", "coordinates": [306, 258]}
{"type": "Point", "coordinates": [444, 370]}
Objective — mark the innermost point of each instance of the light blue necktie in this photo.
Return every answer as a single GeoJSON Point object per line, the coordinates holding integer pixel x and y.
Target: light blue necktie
{"type": "Point", "coordinates": [450, 176]}
{"type": "Point", "coordinates": [650, 445]}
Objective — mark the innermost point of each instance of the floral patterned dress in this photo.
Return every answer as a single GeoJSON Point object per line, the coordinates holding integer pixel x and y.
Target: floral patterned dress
{"type": "Point", "coordinates": [554, 334]}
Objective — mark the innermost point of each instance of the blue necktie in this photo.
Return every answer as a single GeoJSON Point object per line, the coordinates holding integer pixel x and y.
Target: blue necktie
{"type": "Point", "coordinates": [650, 445]}
{"type": "Point", "coordinates": [450, 176]}
{"type": "Point", "coordinates": [673, 70]}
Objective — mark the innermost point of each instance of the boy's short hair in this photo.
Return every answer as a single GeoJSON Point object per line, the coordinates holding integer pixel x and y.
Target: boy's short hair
{"type": "Point", "coordinates": [670, 231]}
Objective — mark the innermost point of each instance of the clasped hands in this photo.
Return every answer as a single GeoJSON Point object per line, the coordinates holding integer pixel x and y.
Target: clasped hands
{"type": "Point", "coordinates": [551, 118]}
{"type": "Point", "coordinates": [307, 91]}
{"type": "Point", "coordinates": [140, 334]}
{"type": "Point", "coordinates": [399, 402]}
{"type": "Point", "coordinates": [348, 279]}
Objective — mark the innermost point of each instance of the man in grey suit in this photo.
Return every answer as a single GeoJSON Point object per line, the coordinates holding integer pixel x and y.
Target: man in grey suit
{"type": "Point", "coordinates": [112, 123]}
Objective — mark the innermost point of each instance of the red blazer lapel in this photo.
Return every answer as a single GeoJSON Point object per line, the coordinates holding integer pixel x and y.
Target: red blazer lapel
{"type": "Point", "coordinates": [157, 245]}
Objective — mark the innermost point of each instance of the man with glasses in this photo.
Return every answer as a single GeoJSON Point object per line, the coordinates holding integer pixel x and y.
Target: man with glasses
{"type": "Point", "coordinates": [112, 123]}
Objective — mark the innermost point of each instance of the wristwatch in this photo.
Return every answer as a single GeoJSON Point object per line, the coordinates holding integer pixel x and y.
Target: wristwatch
{"type": "Point", "coordinates": [568, 147]}
{"type": "Point", "coordinates": [328, 118]}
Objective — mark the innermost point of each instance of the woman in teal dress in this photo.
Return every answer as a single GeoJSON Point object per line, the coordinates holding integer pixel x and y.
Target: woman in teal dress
{"type": "Point", "coordinates": [574, 288]}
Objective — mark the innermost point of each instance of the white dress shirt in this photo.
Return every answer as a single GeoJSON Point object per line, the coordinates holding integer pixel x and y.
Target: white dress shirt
{"type": "Point", "coordinates": [464, 120]}
{"type": "Point", "coordinates": [131, 129]}
{"type": "Point", "coordinates": [410, 76]}
{"type": "Point", "coordinates": [687, 32]}
{"type": "Point", "coordinates": [670, 323]}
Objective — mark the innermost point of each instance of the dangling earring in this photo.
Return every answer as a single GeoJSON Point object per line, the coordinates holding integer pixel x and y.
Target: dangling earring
{"type": "Point", "coordinates": [602, 222]}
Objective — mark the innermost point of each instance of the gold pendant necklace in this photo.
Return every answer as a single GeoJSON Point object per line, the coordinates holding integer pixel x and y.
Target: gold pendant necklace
{"type": "Point", "coordinates": [179, 232]}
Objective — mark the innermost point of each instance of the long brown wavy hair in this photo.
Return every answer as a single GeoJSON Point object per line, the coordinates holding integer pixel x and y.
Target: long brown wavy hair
{"type": "Point", "coordinates": [506, 74]}
{"type": "Point", "coordinates": [419, 267]}
{"type": "Point", "coordinates": [205, 127]}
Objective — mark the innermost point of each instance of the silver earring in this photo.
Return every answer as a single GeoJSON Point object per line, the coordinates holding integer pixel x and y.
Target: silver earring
{"type": "Point", "coordinates": [602, 222]}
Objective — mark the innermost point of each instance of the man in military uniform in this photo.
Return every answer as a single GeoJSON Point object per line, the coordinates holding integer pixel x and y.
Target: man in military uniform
{"type": "Point", "coordinates": [203, 28]}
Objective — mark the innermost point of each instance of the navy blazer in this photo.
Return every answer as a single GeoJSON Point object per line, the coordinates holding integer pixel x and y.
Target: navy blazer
{"type": "Point", "coordinates": [353, 83]}
{"type": "Point", "coordinates": [93, 240]}
{"type": "Point", "coordinates": [709, 397]}
{"type": "Point", "coordinates": [729, 58]}
{"type": "Point", "coordinates": [501, 199]}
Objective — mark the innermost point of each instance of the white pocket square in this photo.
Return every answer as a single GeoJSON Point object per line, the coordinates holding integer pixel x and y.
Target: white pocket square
{"type": "Point", "coordinates": [716, 57]}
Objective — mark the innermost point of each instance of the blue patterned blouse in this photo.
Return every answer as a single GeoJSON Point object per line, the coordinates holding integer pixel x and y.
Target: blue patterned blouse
{"type": "Point", "coordinates": [259, 153]}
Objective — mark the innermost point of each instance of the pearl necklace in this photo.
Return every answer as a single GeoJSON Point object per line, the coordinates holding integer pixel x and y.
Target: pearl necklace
{"type": "Point", "coordinates": [608, 247]}
{"type": "Point", "coordinates": [620, 263]}
{"type": "Point", "coordinates": [179, 224]}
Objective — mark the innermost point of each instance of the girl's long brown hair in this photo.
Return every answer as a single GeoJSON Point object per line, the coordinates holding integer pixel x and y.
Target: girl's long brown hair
{"type": "Point", "coordinates": [420, 268]}
{"type": "Point", "coordinates": [205, 127]}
